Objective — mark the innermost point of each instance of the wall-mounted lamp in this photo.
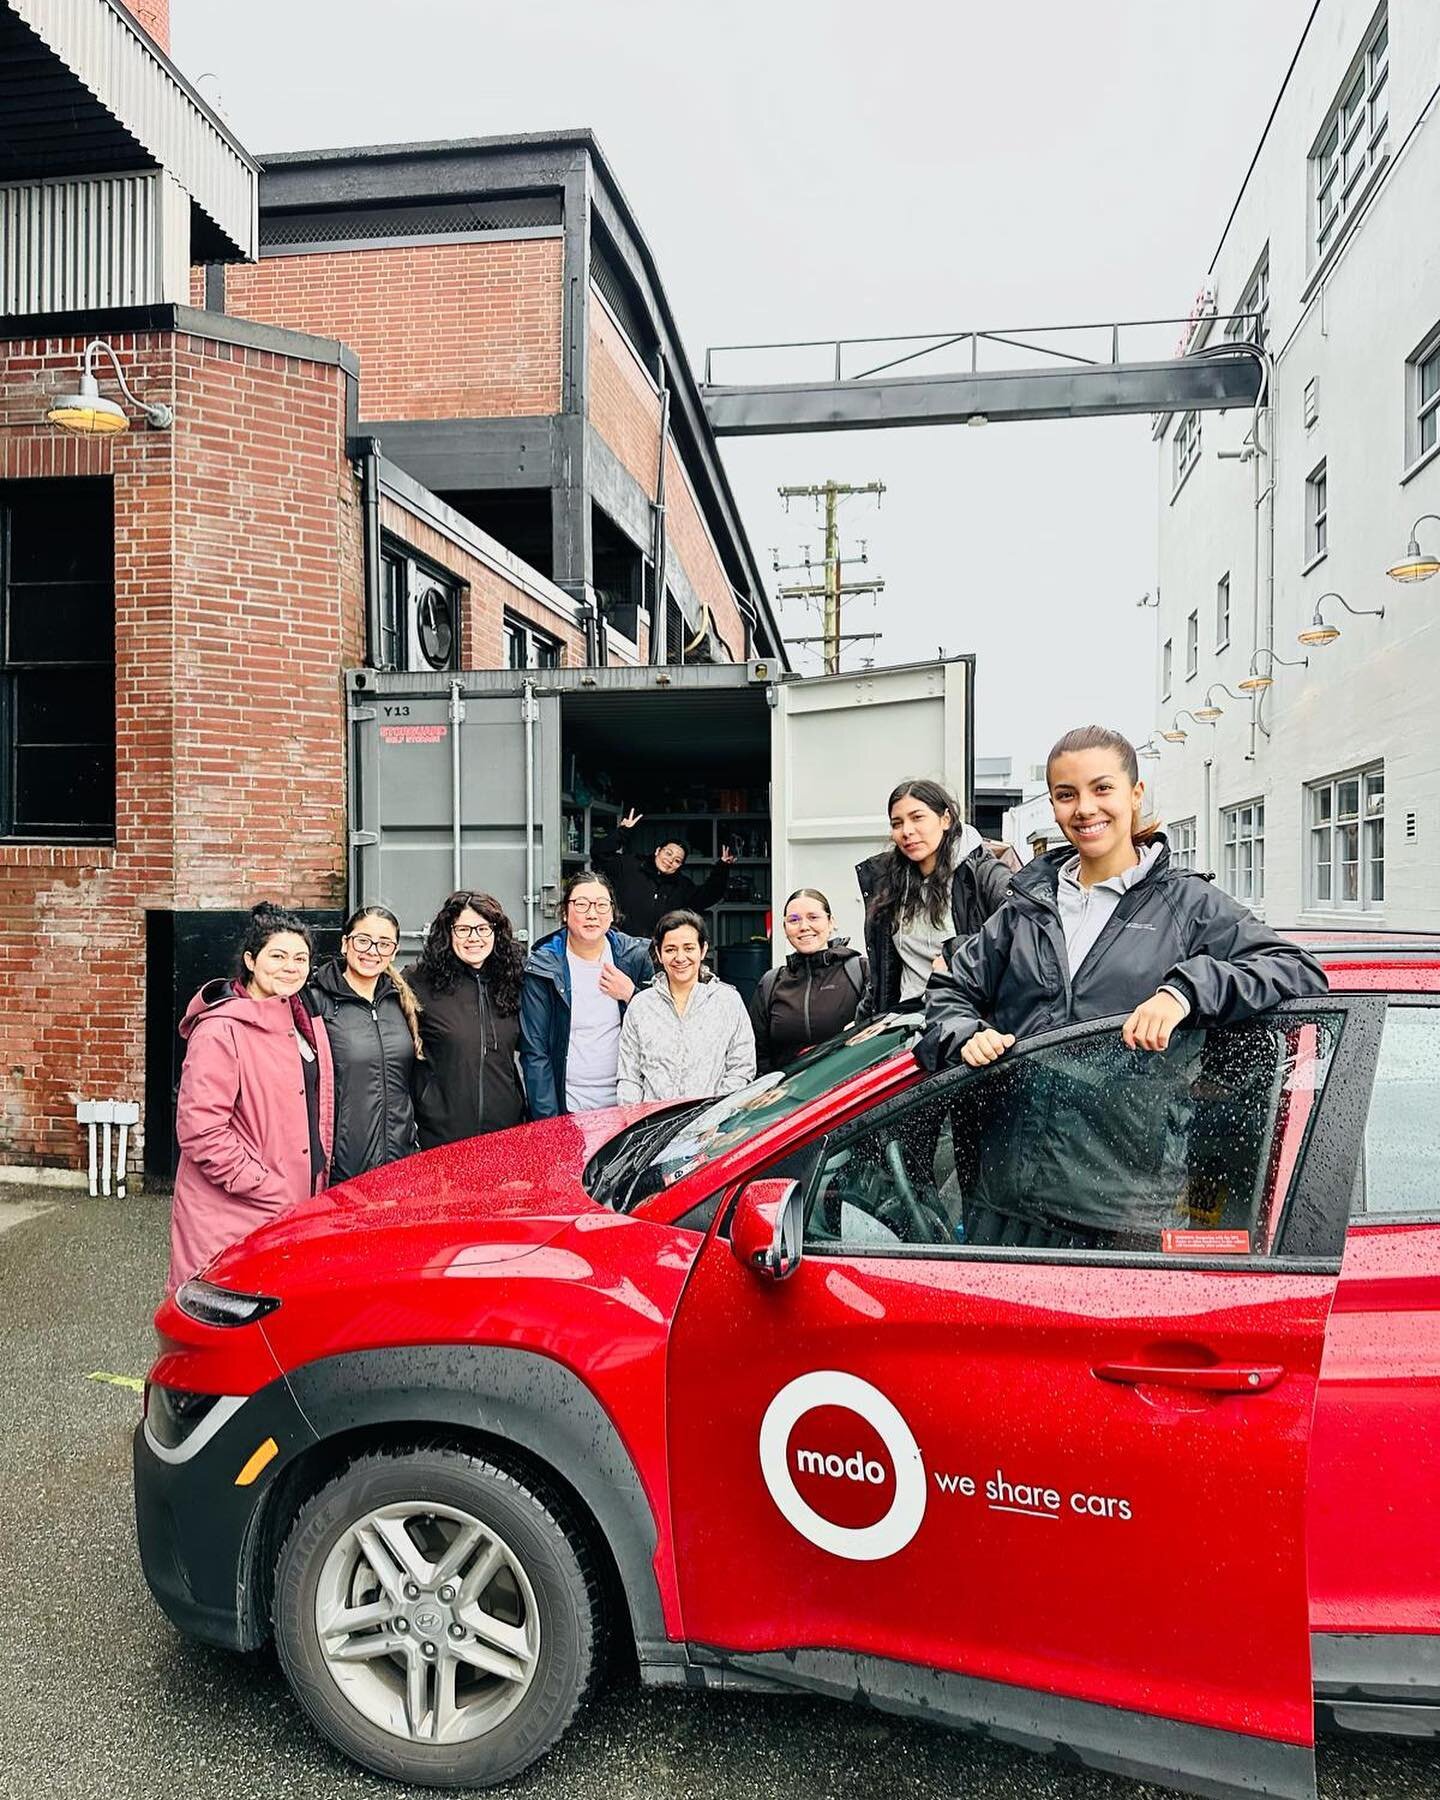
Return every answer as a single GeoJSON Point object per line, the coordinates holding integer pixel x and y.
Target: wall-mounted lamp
{"type": "Point", "coordinates": [90, 414]}
{"type": "Point", "coordinates": [1319, 633]}
{"type": "Point", "coordinates": [1149, 750]}
{"type": "Point", "coordinates": [1209, 712]}
{"type": "Point", "coordinates": [1149, 600]}
{"type": "Point", "coordinates": [1177, 733]}
{"type": "Point", "coordinates": [1415, 565]}
{"type": "Point", "coordinates": [1256, 683]}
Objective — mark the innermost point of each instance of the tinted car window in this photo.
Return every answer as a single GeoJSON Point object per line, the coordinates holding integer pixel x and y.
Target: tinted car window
{"type": "Point", "coordinates": [1086, 1145]}
{"type": "Point", "coordinates": [1402, 1132]}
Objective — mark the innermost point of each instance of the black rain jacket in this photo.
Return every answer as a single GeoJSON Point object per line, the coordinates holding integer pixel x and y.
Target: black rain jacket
{"type": "Point", "coordinates": [808, 999]}
{"type": "Point", "coordinates": [374, 1056]}
{"type": "Point", "coordinates": [645, 895]}
{"type": "Point", "coordinates": [1050, 1141]}
{"type": "Point", "coordinates": [469, 1081]}
{"type": "Point", "coordinates": [978, 886]}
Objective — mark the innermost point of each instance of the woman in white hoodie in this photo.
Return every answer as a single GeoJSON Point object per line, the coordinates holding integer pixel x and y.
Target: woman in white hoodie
{"type": "Point", "coordinates": [688, 1034]}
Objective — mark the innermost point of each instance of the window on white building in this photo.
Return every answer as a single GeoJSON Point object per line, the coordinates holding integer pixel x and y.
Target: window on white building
{"type": "Point", "coordinates": [1187, 445]}
{"type": "Point", "coordinates": [1222, 612]}
{"type": "Point", "coordinates": [1317, 514]}
{"type": "Point", "coordinates": [1347, 840]}
{"type": "Point", "coordinates": [1352, 141]}
{"type": "Point", "coordinates": [1192, 646]}
{"type": "Point", "coordinates": [1242, 844]}
{"type": "Point", "coordinates": [1181, 834]}
{"type": "Point", "coordinates": [1251, 324]}
{"type": "Point", "coordinates": [1167, 667]}
{"type": "Point", "coordinates": [1422, 377]}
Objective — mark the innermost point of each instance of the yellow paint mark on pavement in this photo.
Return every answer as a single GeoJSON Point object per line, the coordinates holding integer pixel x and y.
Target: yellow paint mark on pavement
{"type": "Point", "coordinates": [125, 1381]}
{"type": "Point", "coordinates": [267, 1453]}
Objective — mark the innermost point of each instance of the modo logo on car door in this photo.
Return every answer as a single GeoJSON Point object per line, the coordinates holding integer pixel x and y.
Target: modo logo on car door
{"type": "Point", "coordinates": [843, 1466]}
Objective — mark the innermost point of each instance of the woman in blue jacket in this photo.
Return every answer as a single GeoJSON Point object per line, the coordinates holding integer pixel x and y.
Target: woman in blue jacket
{"type": "Point", "coordinates": [576, 986]}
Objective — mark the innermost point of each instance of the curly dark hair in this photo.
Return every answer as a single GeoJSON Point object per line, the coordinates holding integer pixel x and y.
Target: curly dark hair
{"type": "Point", "coordinates": [265, 922]}
{"type": "Point", "coordinates": [440, 968]}
{"type": "Point", "coordinates": [903, 893]}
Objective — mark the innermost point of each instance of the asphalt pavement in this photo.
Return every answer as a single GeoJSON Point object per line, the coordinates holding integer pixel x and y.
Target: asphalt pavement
{"type": "Point", "coordinates": [103, 1698]}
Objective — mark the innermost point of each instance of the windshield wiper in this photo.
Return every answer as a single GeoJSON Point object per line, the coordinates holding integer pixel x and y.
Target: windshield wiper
{"type": "Point", "coordinates": [642, 1139]}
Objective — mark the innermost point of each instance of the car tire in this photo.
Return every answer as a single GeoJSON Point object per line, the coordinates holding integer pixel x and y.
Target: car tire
{"type": "Point", "coordinates": [366, 1678]}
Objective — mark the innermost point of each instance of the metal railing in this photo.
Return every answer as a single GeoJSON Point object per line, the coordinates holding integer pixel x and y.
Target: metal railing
{"type": "Point", "coordinates": [968, 344]}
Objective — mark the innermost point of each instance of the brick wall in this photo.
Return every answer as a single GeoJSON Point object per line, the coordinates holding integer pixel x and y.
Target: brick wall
{"type": "Point", "coordinates": [443, 331]}
{"type": "Point", "coordinates": [237, 603]}
{"type": "Point", "coordinates": [624, 406]}
{"type": "Point", "coordinates": [489, 594]}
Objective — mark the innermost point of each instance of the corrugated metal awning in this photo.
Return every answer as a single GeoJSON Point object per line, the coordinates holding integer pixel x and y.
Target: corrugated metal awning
{"type": "Point", "coordinates": [119, 68]}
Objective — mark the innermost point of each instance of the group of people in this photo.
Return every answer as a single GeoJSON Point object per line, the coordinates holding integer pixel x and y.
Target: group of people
{"type": "Point", "coordinates": [297, 1077]}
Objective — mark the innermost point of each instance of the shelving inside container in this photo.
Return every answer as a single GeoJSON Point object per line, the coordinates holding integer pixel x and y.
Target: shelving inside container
{"type": "Point", "coordinates": [696, 766]}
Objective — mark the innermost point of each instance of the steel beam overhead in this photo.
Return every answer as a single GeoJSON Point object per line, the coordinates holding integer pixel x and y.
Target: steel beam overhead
{"type": "Point", "coordinates": [1176, 384]}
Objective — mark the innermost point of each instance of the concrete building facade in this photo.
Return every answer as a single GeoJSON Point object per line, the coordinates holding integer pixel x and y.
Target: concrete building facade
{"type": "Point", "coordinates": [1317, 799]}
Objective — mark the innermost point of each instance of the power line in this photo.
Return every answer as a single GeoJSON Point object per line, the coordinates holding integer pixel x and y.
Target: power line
{"type": "Point", "coordinates": [833, 589]}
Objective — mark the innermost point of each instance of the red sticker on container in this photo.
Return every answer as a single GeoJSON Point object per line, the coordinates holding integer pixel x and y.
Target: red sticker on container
{"type": "Point", "coordinates": [412, 734]}
{"type": "Point", "coordinates": [1205, 1243]}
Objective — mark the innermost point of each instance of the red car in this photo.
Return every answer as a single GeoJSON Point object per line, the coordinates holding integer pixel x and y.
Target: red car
{"type": "Point", "coordinates": [725, 1381]}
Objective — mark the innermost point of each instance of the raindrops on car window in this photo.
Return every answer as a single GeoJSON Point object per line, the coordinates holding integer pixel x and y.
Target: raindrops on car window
{"type": "Point", "coordinates": [1401, 1168]}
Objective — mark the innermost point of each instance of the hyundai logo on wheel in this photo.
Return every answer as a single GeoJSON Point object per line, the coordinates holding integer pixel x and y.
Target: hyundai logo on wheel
{"type": "Point", "coordinates": [843, 1466]}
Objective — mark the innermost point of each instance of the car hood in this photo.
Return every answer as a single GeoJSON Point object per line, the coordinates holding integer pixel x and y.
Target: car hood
{"type": "Point", "coordinates": [475, 1204]}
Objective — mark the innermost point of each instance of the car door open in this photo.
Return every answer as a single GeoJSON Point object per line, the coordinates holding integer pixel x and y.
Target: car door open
{"type": "Point", "coordinates": [1021, 1441]}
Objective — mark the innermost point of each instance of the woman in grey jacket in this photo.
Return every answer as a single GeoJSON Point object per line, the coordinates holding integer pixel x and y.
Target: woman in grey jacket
{"type": "Point", "coordinates": [687, 1035]}
{"type": "Point", "coordinates": [1104, 928]}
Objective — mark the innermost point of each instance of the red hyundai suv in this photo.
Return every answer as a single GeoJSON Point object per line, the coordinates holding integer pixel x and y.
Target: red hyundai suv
{"type": "Point", "coordinates": [725, 1380]}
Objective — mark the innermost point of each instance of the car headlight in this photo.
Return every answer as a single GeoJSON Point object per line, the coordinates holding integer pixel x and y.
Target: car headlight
{"type": "Point", "coordinates": [211, 1305]}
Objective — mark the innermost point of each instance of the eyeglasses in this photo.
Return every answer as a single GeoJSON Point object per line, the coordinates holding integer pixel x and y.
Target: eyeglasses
{"type": "Point", "coordinates": [368, 946]}
{"type": "Point", "coordinates": [596, 908]}
{"type": "Point", "coordinates": [472, 931]}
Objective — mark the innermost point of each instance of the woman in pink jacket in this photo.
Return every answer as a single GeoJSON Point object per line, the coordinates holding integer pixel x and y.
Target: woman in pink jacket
{"type": "Point", "coordinates": [256, 1109]}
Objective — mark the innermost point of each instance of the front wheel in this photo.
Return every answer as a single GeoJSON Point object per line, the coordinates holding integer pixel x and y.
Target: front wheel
{"type": "Point", "coordinates": [437, 1618]}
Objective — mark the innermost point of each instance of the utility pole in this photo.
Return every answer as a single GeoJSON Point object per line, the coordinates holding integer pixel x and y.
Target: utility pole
{"type": "Point", "coordinates": [834, 589]}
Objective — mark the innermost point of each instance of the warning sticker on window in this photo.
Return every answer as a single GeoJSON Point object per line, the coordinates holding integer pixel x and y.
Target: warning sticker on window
{"type": "Point", "coordinates": [412, 734]}
{"type": "Point", "coordinates": [1206, 1243]}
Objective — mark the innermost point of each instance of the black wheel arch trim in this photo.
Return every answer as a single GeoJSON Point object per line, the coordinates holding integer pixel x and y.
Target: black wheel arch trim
{"type": "Point", "coordinates": [517, 1397]}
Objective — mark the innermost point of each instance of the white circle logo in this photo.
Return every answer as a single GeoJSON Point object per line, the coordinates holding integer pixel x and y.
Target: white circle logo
{"type": "Point", "coordinates": [834, 1388]}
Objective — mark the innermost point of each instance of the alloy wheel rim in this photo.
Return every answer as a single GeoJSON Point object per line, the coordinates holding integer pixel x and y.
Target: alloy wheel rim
{"type": "Point", "coordinates": [427, 1622]}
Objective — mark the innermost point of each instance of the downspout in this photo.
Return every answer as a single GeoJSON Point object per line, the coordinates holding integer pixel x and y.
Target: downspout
{"type": "Point", "coordinates": [457, 719]}
{"type": "Point", "coordinates": [659, 630]}
{"type": "Point", "coordinates": [529, 711]}
{"type": "Point", "coordinates": [1207, 865]}
{"type": "Point", "coordinates": [369, 459]}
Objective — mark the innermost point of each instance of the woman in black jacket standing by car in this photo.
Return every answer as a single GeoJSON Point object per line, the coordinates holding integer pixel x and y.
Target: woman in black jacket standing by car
{"type": "Point", "coordinates": [938, 883]}
{"type": "Point", "coordinates": [814, 993]}
{"type": "Point", "coordinates": [369, 1019]}
{"type": "Point", "coordinates": [467, 981]}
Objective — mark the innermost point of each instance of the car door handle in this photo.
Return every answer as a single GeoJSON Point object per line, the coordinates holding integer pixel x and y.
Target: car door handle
{"type": "Point", "coordinates": [1214, 1378]}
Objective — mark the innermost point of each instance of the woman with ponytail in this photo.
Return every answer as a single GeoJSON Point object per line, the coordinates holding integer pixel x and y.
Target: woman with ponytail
{"type": "Point", "coordinates": [371, 1020]}
{"type": "Point", "coordinates": [936, 886]}
{"type": "Point", "coordinates": [255, 1113]}
{"type": "Point", "coordinates": [1105, 926]}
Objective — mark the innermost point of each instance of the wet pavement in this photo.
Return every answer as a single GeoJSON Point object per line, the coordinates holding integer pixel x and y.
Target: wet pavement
{"type": "Point", "coordinates": [102, 1697]}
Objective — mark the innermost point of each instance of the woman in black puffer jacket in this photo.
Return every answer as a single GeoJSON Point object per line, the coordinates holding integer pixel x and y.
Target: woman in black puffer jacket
{"type": "Point", "coordinates": [815, 992]}
{"type": "Point", "coordinates": [369, 1019]}
{"type": "Point", "coordinates": [467, 982]}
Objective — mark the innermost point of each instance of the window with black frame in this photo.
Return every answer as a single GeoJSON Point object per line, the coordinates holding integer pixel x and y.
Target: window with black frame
{"type": "Point", "coordinates": [57, 660]}
{"type": "Point", "coordinates": [1086, 1145]}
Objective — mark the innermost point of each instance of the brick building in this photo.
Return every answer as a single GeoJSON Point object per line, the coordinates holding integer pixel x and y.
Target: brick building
{"type": "Point", "coordinates": [439, 450]}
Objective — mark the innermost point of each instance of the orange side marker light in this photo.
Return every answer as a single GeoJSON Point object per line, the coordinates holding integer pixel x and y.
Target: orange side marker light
{"type": "Point", "coordinates": [265, 1455]}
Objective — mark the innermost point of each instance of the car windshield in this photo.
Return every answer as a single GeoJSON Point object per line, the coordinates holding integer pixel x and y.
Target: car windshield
{"type": "Point", "coordinates": [682, 1142]}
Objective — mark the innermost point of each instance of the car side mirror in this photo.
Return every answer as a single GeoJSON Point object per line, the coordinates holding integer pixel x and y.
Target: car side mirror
{"type": "Point", "coordinates": [768, 1227]}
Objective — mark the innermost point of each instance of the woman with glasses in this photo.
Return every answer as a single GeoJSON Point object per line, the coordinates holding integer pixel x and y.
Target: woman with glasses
{"type": "Point", "coordinates": [255, 1112]}
{"type": "Point", "coordinates": [467, 983]}
{"type": "Point", "coordinates": [370, 1018]}
{"type": "Point", "coordinates": [814, 993]}
{"type": "Point", "coordinates": [578, 982]}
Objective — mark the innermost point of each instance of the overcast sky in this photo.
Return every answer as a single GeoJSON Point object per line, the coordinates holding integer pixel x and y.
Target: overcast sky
{"type": "Point", "coordinates": [847, 169]}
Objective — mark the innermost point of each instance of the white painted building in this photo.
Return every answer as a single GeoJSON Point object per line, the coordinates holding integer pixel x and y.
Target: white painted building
{"type": "Point", "coordinates": [1319, 799]}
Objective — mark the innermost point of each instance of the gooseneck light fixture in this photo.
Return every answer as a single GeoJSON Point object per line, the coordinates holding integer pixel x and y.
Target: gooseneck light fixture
{"type": "Point", "coordinates": [1210, 712]}
{"type": "Point", "coordinates": [89, 414]}
{"type": "Point", "coordinates": [1415, 565]}
{"type": "Point", "coordinates": [1177, 733]}
{"type": "Point", "coordinates": [1318, 633]}
{"type": "Point", "coordinates": [1149, 750]}
{"type": "Point", "coordinates": [1256, 683]}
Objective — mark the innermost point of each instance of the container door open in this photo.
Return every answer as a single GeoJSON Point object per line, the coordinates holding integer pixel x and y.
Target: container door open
{"type": "Point", "coordinates": [454, 784]}
{"type": "Point", "coordinates": [840, 743]}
